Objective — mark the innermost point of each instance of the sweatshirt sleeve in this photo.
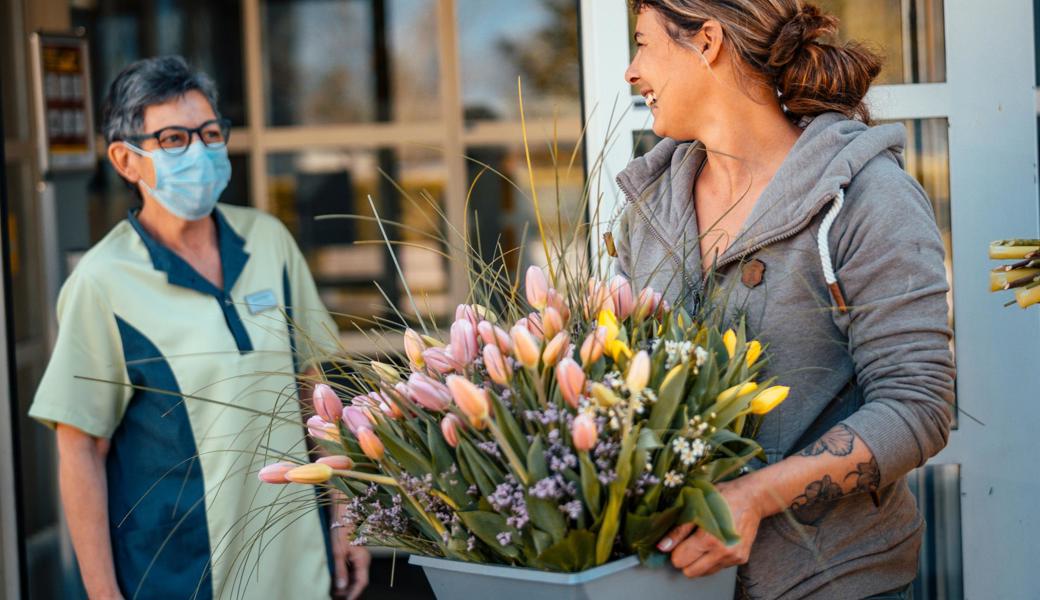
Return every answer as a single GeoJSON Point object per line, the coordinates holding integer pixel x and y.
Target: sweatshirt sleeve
{"type": "Point", "coordinates": [890, 262]}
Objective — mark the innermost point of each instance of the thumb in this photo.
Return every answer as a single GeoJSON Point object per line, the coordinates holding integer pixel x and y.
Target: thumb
{"type": "Point", "coordinates": [675, 536]}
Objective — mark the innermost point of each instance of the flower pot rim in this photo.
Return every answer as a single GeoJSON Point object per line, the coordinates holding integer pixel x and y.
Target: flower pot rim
{"type": "Point", "coordinates": [525, 573]}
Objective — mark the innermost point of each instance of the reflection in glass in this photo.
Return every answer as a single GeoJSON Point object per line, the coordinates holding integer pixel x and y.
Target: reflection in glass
{"type": "Point", "coordinates": [500, 40]}
{"type": "Point", "coordinates": [207, 34]}
{"type": "Point", "coordinates": [348, 256]}
{"type": "Point", "coordinates": [351, 61]}
{"type": "Point", "coordinates": [26, 281]}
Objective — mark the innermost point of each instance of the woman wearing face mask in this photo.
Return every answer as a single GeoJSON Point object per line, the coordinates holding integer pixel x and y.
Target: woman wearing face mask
{"type": "Point", "coordinates": [771, 173]}
{"type": "Point", "coordinates": [172, 379]}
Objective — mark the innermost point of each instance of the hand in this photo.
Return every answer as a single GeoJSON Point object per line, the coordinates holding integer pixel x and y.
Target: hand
{"type": "Point", "coordinates": [351, 565]}
{"type": "Point", "coordinates": [703, 554]}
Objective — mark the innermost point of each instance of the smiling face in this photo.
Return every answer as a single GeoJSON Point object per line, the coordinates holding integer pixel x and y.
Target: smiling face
{"type": "Point", "coordinates": [673, 78]}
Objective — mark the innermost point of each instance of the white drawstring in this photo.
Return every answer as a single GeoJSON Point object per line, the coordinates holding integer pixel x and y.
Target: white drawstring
{"type": "Point", "coordinates": [825, 251]}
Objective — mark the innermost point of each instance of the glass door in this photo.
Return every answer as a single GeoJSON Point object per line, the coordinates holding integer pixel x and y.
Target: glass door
{"type": "Point", "coordinates": [967, 98]}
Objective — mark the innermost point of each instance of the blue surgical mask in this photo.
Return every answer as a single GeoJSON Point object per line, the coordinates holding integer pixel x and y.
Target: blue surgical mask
{"type": "Point", "coordinates": [189, 184]}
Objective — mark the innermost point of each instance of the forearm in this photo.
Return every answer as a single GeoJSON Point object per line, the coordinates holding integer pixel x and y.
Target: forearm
{"type": "Point", "coordinates": [84, 493]}
{"type": "Point", "coordinates": [838, 464]}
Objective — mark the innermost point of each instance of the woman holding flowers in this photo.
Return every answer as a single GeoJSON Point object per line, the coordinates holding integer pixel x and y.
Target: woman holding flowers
{"type": "Point", "coordinates": [772, 182]}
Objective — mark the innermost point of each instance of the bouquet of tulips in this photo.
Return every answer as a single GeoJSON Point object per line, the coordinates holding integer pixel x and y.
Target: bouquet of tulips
{"type": "Point", "coordinates": [1022, 276]}
{"type": "Point", "coordinates": [579, 433]}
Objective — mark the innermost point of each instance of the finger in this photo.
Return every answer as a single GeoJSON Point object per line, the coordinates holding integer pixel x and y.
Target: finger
{"type": "Point", "coordinates": [674, 537]}
{"type": "Point", "coordinates": [359, 560]}
{"type": "Point", "coordinates": [708, 562]}
{"type": "Point", "coordinates": [688, 551]}
{"type": "Point", "coordinates": [342, 572]}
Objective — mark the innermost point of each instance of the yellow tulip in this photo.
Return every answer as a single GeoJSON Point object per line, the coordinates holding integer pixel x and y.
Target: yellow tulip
{"type": "Point", "coordinates": [769, 399]}
{"type": "Point", "coordinates": [607, 319]}
{"type": "Point", "coordinates": [312, 474]}
{"type": "Point", "coordinates": [737, 391]}
{"type": "Point", "coordinates": [730, 340]}
{"type": "Point", "coordinates": [603, 395]}
{"type": "Point", "coordinates": [754, 350]}
{"type": "Point", "coordinates": [615, 348]}
{"type": "Point", "coordinates": [638, 373]}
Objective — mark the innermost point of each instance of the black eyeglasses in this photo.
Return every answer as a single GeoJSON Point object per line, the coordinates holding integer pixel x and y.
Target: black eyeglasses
{"type": "Point", "coordinates": [176, 139]}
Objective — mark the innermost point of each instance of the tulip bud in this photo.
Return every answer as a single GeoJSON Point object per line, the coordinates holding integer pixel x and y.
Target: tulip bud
{"type": "Point", "coordinates": [355, 419]}
{"type": "Point", "coordinates": [525, 347]}
{"type": "Point", "coordinates": [429, 393]}
{"type": "Point", "coordinates": [557, 302]}
{"type": "Point", "coordinates": [464, 341]}
{"type": "Point", "coordinates": [622, 296]}
{"type": "Point", "coordinates": [571, 379]}
{"type": "Point", "coordinates": [754, 350]}
{"type": "Point", "coordinates": [471, 400]}
{"type": "Point", "coordinates": [442, 360]}
{"type": "Point", "coordinates": [387, 373]}
{"type": "Point", "coordinates": [370, 444]}
{"type": "Point", "coordinates": [552, 322]}
{"type": "Point", "coordinates": [769, 399]}
{"type": "Point", "coordinates": [492, 334]}
{"type": "Point", "coordinates": [387, 405]}
{"type": "Point", "coordinates": [737, 391]}
{"type": "Point", "coordinates": [533, 322]}
{"type": "Point", "coordinates": [467, 312]}
{"type": "Point", "coordinates": [729, 339]}
{"type": "Point", "coordinates": [603, 395]}
{"type": "Point", "coordinates": [497, 366]}
{"type": "Point", "coordinates": [638, 372]}
{"type": "Point", "coordinates": [450, 426]}
{"type": "Point", "coordinates": [275, 473]}
{"type": "Point", "coordinates": [321, 429]}
{"type": "Point", "coordinates": [413, 348]}
{"type": "Point", "coordinates": [647, 304]}
{"type": "Point", "coordinates": [537, 287]}
{"type": "Point", "coordinates": [327, 404]}
{"type": "Point", "coordinates": [598, 298]}
{"type": "Point", "coordinates": [593, 346]}
{"type": "Point", "coordinates": [608, 320]}
{"type": "Point", "coordinates": [584, 433]}
{"type": "Point", "coordinates": [555, 348]}
{"type": "Point", "coordinates": [311, 474]}
{"type": "Point", "coordinates": [337, 462]}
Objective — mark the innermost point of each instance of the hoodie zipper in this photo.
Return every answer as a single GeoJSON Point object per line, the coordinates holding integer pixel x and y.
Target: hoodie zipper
{"type": "Point", "coordinates": [657, 235]}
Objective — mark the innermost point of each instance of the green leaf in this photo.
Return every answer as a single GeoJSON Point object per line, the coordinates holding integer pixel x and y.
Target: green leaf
{"type": "Point", "coordinates": [608, 529]}
{"type": "Point", "coordinates": [575, 552]}
{"type": "Point", "coordinates": [484, 483]}
{"type": "Point", "coordinates": [643, 532]}
{"type": "Point", "coordinates": [648, 440]}
{"type": "Point", "coordinates": [442, 461]}
{"type": "Point", "coordinates": [546, 516]}
{"type": "Point", "coordinates": [406, 455]}
{"type": "Point", "coordinates": [542, 541]}
{"type": "Point", "coordinates": [668, 398]}
{"type": "Point", "coordinates": [720, 510]}
{"type": "Point", "coordinates": [510, 428]}
{"type": "Point", "coordinates": [696, 510]}
{"type": "Point", "coordinates": [536, 465]}
{"type": "Point", "coordinates": [590, 486]}
{"type": "Point", "coordinates": [486, 526]}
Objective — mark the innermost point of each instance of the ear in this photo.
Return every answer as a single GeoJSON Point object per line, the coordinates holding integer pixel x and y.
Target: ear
{"type": "Point", "coordinates": [709, 41]}
{"type": "Point", "coordinates": [123, 162]}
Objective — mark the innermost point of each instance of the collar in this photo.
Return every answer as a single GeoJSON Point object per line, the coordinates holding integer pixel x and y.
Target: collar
{"type": "Point", "coordinates": [233, 257]}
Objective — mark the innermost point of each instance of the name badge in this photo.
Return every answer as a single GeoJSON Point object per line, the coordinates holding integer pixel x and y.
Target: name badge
{"type": "Point", "coordinates": [260, 301]}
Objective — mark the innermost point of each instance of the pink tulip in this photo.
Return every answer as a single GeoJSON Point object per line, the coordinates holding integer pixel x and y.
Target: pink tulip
{"type": "Point", "coordinates": [321, 429]}
{"type": "Point", "coordinates": [429, 393]}
{"type": "Point", "coordinates": [338, 462]}
{"type": "Point", "coordinates": [450, 426]}
{"type": "Point", "coordinates": [497, 366]}
{"type": "Point", "coordinates": [557, 301]}
{"type": "Point", "coordinates": [598, 298]}
{"type": "Point", "coordinates": [571, 379]}
{"type": "Point", "coordinates": [471, 400]}
{"type": "Point", "coordinates": [650, 304]}
{"type": "Point", "coordinates": [413, 348]}
{"type": "Point", "coordinates": [327, 404]}
{"type": "Point", "coordinates": [534, 325]}
{"type": "Point", "coordinates": [355, 418]}
{"type": "Point", "coordinates": [554, 350]}
{"type": "Point", "coordinates": [385, 404]}
{"type": "Point", "coordinates": [464, 341]}
{"type": "Point", "coordinates": [467, 312]}
{"type": "Point", "coordinates": [275, 473]}
{"type": "Point", "coordinates": [441, 360]}
{"type": "Point", "coordinates": [552, 322]}
{"type": "Point", "coordinates": [584, 433]}
{"type": "Point", "coordinates": [593, 346]}
{"type": "Point", "coordinates": [490, 334]}
{"type": "Point", "coordinates": [622, 296]}
{"type": "Point", "coordinates": [537, 287]}
{"type": "Point", "coordinates": [525, 347]}
{"type": "Point", "coordinates": [370, 444]}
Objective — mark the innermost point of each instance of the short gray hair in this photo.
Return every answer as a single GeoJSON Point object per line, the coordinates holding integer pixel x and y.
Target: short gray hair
{"type": "Point", "coordinates": [146, 83]}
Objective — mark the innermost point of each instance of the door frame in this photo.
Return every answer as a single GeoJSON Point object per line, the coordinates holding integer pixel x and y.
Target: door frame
{"type": "Point", "coordinates": [991, 103]}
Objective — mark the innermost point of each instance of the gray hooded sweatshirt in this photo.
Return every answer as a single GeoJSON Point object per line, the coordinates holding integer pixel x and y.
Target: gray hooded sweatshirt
{"type": "Point", "coordinates": [884, 368]}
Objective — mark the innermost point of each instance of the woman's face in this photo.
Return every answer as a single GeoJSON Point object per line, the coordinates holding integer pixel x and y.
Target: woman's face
{"type": "Point", "coordinates": [669, 76]}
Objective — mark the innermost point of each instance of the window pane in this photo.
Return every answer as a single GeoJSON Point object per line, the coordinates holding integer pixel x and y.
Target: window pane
{"type": "Point", "coordinates": [27, 285]}
{"type": "Point", "coordinates": [10, 80]}
{"type": "Point", "coordinates": [348, 257]}
{"type": "Point", "coordinates": [504, 209]}
{"type": "Point", "coordinates": [502, 39]}
{"type": "Point", "coordinates": [910, 34]}
{"type": "Point", "coordinates": [207, 34]}
{"type": "Point", "coordinates": [350, 61]}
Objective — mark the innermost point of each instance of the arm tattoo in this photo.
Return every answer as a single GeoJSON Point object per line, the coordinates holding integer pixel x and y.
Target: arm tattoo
{"type": "Point", "coordinates": [837, 442]}
{"type": "Point", "coordinates": [868, 476]}
{"type": "Point", "coordinates": [817, 500]}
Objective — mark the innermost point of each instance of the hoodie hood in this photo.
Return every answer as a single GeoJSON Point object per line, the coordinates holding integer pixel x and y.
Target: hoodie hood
{"type": "Point", "coordinates": [827, 156]}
